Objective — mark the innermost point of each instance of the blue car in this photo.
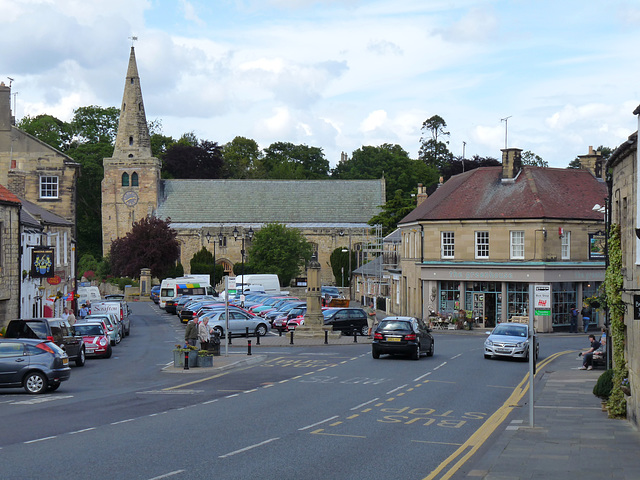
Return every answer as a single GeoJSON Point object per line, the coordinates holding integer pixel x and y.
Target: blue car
{"type": "Point", "coordinates": [155, 293]}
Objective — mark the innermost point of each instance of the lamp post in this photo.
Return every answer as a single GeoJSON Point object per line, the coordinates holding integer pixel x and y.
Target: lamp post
{"type": "Point", "coordinates": [249, 236]}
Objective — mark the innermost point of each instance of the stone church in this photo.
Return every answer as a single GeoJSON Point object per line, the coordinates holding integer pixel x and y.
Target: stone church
{"type": "Point", "coordinates": [218, 214]}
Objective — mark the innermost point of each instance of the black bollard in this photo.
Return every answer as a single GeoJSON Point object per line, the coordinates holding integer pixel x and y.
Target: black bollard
{"type": "Point", "coordinates": [246, 331]}
{"type": "Point", "coordinates": [279, 332]}
{"type": "Point", "coordinates": [229, 337]}
{"type": "Point", "coordinates": [291, 342]}
{"type": "Point", "coordinates": [249, 347]}
{"type": "Point", "coordinates": [186, 360]}
{"type": "Point", "coordinates": [355, 336]}
{"type": "Point", "coordinates": [326, 337]}
{"type": "Point", "coordinates": [257, 338]}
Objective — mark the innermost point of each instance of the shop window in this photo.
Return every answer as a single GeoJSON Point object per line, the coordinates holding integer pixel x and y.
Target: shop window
{"type": "Point", "coordinates": [482, 244]}
{"type": "Point", "coordinates": [125, 179]}
{"type": "Point", "coordinates": [517, 245]}
{"type": "Point", "coordinates": [447, 247]}
{"type": "Point", "coordinates": [517, 299]}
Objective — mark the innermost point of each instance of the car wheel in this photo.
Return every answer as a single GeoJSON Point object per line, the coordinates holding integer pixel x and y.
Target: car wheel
{"type": "Point", "coordinates": [219, 331]}
{"type": "Point", "coordinates": [364, 331]}
{"type": "Point", "coordinates": [416, 353]}
{"type": "Point", "coordinates": [81, 358]}
{"type": "Point", "coordinates": [430, 352]}
{"type": "Point", "coordinates": [375, 354]}
{"type": "Point", "coordinates": [118, 338]}
{"type": "Point", "coordinates": [261, 330]}
{"type": "Point", "coordinates": [109, 352]}
{"type": "Point", "coordinates": [112, 342]}
{"type": "Point", "coordinates": [54, 386]}
{"type": "Point", "coordinates": [488, 357]}
{"type": "Point", "coordinates": [35, 383]}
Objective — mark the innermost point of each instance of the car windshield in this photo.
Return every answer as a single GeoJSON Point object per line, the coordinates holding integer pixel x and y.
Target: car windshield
{"type": "Point", "coordinates": [394, 325]}
{"type": "Point", "coordinates": [88, 330]}
{"type": "Point", "coordinates": [511, 330]}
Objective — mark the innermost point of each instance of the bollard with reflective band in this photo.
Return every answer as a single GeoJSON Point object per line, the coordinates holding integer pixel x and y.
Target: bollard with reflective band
{"type": "Point", "coordinates": [186, 360]}
{"type": "Point", "coordinates": [355, 336]}
{"type": "Point", "coordinates": [326, 337]}
{"type": "Point", "coordinates": [291, 342]}
{"type": "Point", "coordinates": [249, 347]}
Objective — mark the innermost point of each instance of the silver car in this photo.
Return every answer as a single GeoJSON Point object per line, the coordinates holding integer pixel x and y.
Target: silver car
{"type": "Point", "coordinates": [238, 323]}
{"type": "Point", "coordinates": [509, 340]}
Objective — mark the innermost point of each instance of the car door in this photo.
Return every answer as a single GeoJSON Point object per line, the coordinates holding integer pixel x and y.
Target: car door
{"type": "Point", "coordinates": [238, 323]}
{"type": "Point", "coordinates": [71, 343]}
{"type": "Point", "coordinates": [423, 334]}
{"type": "Point", "coordinates": [13, 362]}
{"type": "Point", "coordinates": [358, 320]}
{"type": "Point", "coordinates": [341, 321]}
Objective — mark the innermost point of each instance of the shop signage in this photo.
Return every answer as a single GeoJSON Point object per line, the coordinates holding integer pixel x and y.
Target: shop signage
{"type": "Point", "coordinates": [542, 300]}
{"type": "Point", "coordinates": [55, 280]}
{"type": "Point", "coordinates": [42, 262]}
{"type": "Point", "coordinates": [597, 242]}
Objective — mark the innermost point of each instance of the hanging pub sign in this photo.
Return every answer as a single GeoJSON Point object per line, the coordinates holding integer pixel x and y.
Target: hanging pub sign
{"type": "Point", "coordinates": [597, 242]}
{"type": "Point", "coordinates": [42, 262]}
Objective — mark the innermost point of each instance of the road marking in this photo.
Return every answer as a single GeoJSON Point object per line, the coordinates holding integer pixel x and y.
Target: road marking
{"type": "Point", "coordinates": [82, 431]}
{"type": "Point", "coordinates": [206, 379]}
{"type": "Point", "coordinates": [396, 389]}
{"type": "Point", "coordinates": [166, 475]}
{"type": "Point", "coordinates": [334, 424]}
{"type": "Point", "coordinates": [365, 403]}
{"type": "Point", "coordinates": [317, 423]}
{"type": "Point", "coordinates": [322, 432]}
{"type": "Point", "coordinates": [441, 365]}
{"type": "Point", "coordinates": [353, 416]}
{"type": "Point", "coordinates": [437, 443]}
{"type": "Point", "coordinates": [420, 378]}
{"type": "Point", "coordinates": [123, 421]}
{"type": "Point", "coordinates": [249, 448]}
{"type": "Point", "coordinates": [35, 401]}
{"type": "Point", "coordinates": [456, 356]}
{"type": "Point", "coordinates": [40, 439]}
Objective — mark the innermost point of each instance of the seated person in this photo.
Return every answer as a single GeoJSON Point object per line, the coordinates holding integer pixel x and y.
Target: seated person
{"type": "Point", "coordinates": [587, 357]}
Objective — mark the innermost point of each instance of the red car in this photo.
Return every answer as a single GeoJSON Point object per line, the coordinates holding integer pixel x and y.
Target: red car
{"type": "Point", "coordinates": [96, 339]}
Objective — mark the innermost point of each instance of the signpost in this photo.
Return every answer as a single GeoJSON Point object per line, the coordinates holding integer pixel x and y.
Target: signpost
{"type": "Point", "coordinates": [542, 297]}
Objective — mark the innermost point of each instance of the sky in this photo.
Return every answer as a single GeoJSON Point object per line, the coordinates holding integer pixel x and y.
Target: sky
{"type": "Point", "coordinates": [340, 74]}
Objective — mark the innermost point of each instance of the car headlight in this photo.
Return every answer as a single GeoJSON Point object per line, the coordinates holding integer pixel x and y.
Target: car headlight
{"type": "Point", "coordinates": [488, 343]}
{"type": "Point", "coordinates": [521, 344]}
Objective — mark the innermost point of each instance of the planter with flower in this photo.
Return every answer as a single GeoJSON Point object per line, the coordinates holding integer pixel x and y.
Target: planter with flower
{"type": "Point", "coordinates": [205, 358]}
{"type": "Point", "coordinates": [179, 353]}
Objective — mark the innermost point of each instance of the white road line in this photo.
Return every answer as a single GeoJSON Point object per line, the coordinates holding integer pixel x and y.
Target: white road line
{"type": "Point", "coordinates": [83, 430]}
{"type": "Point", "coordinates": [166, 475]}
{"type": "Point", "coordinates": [441, 365]}
{"type": "Point", "coordinates": [40, 439]}
{"type": "Point", "coordinates": [456, 356]}
{"type": "Point", "coordinates": [365, 403]}
{"type": "Point", "coordinates": [421, 377]}
{"type": "Point", "coordinates": [123, 421]}
{"type": "Point", "coordinates": [396, 389]}
{"type": "Point", "coordinates": [249, 447]}
{"type": "Point", "coordinates": [318, 423]}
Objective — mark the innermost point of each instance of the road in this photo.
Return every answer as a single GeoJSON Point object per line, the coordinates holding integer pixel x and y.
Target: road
{"type": "Point", "coordinates": [303, 412]}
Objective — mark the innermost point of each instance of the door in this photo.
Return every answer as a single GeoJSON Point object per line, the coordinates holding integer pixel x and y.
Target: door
{"type": "Point", "coordinates": [13, 362]}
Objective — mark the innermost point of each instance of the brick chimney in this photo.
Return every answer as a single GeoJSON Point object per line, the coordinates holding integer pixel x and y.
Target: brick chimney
{"type": "Point", "coordinates": [592, 161]}
{"type": "Point", "coordinates": [422, 194]}
{"type": "Point", "coordinates": [511, 163]}
{"type": "Point", "coordinates": [5, 107]}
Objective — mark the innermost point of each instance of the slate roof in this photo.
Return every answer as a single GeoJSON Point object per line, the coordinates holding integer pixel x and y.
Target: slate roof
{"type": "Point", "coordinates": [536, 193]}
{"type": "Point", "coordinates": [265, 201]}
{"type": "Point", "coordinates": [372, 268]}
{"type": "Point", "coordinates": [43, 215]}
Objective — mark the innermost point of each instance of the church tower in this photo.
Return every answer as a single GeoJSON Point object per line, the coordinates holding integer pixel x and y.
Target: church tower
{"type": "Point", "coordinates": [132, 174]}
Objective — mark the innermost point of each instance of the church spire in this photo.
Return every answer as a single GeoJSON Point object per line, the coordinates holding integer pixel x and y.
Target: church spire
{"type": "Point", "coordinates": [132, 140]}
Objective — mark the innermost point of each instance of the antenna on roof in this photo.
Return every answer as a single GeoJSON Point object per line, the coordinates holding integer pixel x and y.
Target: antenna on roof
{"type": "Point", "coordinates": [464, 144]}
{"type": "Point", "coordinates": [505, 120]}
{"type": "Point", "coordinates": [10, 81]}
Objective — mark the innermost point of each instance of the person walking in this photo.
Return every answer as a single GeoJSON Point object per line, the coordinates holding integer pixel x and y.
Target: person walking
{"type": "Point", "coordinates": [587, 357]}
{"type": "Point", "coordinates": [191, 332]}
{"type": "Point", "coordinates": [204, 334]}
{"type": "Point", "coordinates": [83, 312]}
{"type": "Point", "coordinates": [65, 314]}
{"type": "Point", "coordinates": [371, 317]}
{"type": "Point", "coordinates": [573, 326]}
{"type": "Point", "coordinates": [586, 316]}
{"type": "Point", "coordinates": [71, 318]}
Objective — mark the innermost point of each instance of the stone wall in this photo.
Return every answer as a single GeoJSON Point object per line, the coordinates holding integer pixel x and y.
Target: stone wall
{"type": "Point", "coordinates": [9, 263]}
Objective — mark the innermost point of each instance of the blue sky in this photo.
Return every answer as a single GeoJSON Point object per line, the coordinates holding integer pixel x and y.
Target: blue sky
{"type": "Point", "coordinates": [340, 74]}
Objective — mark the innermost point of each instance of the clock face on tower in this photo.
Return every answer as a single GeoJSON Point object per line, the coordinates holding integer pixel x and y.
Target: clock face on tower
{"type": "Point", "coordinates": [130, 198]}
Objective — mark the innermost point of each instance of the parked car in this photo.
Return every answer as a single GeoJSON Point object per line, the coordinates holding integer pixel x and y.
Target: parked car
{"type": "Point", "coordinates": [33, 364]}
{"type": "Point", "coordinates": [332, 292]}
{"type": "Point", "coordinates": [238, 323]}
{"type": "Point", "coordinates": [402, 336]}
{"type": "Point", "coordinates": [154, 294]}
{"type": "Point", "coordinates": [113, 326]}
{"type": "Point", "coordinates": [96, 338]}
{"type": "Point", "coordinates": [347, 320]}
{"type": "Point", "coordinates": [52, 329]}
{"type": "Point", "coordinates": [509, 340]}
{"type": "Point", "coordinates": [119, 309]}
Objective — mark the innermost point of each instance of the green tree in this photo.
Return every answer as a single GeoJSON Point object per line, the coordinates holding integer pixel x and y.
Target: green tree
{"type": "Point", "coordinates": [434, 151]}
{"type": "Point", "coordinates": [242, 158]}
{"type": "Point", "coordinates": [285, 160]}
{"type": "Point", "coordinates": [339, 261]}
{"type": "Point", "coordinates": [95, 124]}
{"type": "Point", "coordinates": [203, 262]}
{"type": "Point", "coordinates": [530, 158]}
{"type": "Point", "coordinates": [203, 160]}
{"type": "Point", "coordinates": [278, 249]}
{"type": "Point", "coordinates": [457, 165]}
{"type": "Point", "coordinates": [151, 243]}
{"type": "Point", "coordinates": [50, 130]}
{"type": "Point", "coordinates": [396, 208]}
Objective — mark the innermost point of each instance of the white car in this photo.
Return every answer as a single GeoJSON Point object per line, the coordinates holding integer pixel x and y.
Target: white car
{"type": "Point", "coordinates": [509, 340]}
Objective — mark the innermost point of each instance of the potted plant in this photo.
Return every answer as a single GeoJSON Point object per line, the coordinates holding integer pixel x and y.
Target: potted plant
{"type": "Point", "coordinates": [205, 358]}
{"type": "Point", "coordinates": [179, 353]}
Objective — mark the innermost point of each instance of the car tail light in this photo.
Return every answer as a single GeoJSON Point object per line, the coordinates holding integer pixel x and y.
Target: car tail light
{"type": "Point", "coordinates": [410, 336]}
{"type": "Point", "coordinates": [49, 338]}
{"type": "Point", "coordinates": [121, 314]}
{"type": "Point", "coordinates": [45, 347]}
{"type": "Point", "coordinates": [378, 336]}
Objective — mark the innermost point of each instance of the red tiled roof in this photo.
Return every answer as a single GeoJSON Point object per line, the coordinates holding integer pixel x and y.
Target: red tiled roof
{"type": "Point", "coordinates": [537, 192]}
{"type": "Point", "coordinates": [7, 196]}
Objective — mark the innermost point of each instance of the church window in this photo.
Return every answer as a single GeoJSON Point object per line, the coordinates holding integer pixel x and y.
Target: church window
{"type": "Point", "coordinates": [48, 187]}
{"type": "Point", "coordinates": [134, 179]}
{"type": "Point", "coordinates": [125, 179]}
{"type": "Point", "coordinates": [130, 141]}
{"type": "Point", "coordinates": [131, 80]}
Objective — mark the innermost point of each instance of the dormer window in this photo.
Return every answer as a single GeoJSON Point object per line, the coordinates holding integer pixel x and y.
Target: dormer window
{"type": "Point", "coordinates": [125, 179]}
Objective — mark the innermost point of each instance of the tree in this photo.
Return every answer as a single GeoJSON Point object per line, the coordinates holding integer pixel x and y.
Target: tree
{"type": "Point", "coordinates": [394, 210]}
{"type": "Point", "coordinates": [203, 160]}
{"type": "Point", "coordinates": [95, 124]}
{"type": "Point", "coordinates": [285, 160]}
{"type": "Point", "coordinates": [203, 262]}
{"type": "Point", "coordinates": [242, 158]}
{"type": "Point", "coordinates": [278, 249]}
{"type": "Point", "coordinates": [433, 151]}
{"type": "Point", "coordinates": [339, 261]}
{"type": "Point", "coordinates": [151, 243]}
{"type": "Point", "coordinates": [50, 130]}
{"type": "Point", "coordinates": [458, 165]}
{"type": "Point", "coordinates": [530, 158]}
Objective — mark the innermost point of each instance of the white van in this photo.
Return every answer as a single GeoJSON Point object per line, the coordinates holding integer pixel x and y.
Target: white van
{"type": "Point", "coordinates": [191, 285]}
{"type": "Point", "coordinates": [269, 281]}
{"type": "Point", "coordinates": [88, 293]}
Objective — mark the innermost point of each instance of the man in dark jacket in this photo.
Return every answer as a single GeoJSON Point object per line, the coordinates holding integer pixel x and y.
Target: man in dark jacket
{"type": "Point", "coordinates": [587, 357]}
{"type": "Point", "coordinates": [191, 332]}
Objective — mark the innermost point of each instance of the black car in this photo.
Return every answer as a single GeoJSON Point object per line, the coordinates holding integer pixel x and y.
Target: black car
{"type": "Point", "coordinates": [402, 336]}
{"type": "Point", "coordinates": [347, 320]}
{"type": "Point", "coordinates": [33, 364]}
{"type": "Point", "coordinates": [52, 329]}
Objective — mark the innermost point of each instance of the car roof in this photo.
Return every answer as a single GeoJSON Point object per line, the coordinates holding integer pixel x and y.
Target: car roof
{"type": "Point", "coordinates": [402, 318]}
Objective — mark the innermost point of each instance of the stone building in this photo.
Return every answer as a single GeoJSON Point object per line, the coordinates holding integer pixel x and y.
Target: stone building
{"type": "Point", "coordinates": [205, 213]}
{"type": "Point", "coordinates": [9, 256]}
{"type": "Point", "coordinates": [480, 240]}
{"type": "Point", "coordinates": [625, 211]}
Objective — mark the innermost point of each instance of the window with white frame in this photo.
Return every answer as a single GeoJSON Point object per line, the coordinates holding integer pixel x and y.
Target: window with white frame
{"type": "Point", "coordinates": [48, 187]}
{"type": "Point", "coordinates": [447, 245]}
{"type": "Point", "coordinates": [482, 244]}
{"type": "Point", "coordinates": [566, 245]}
{"type": "Point", "coordinates": [517, 245]}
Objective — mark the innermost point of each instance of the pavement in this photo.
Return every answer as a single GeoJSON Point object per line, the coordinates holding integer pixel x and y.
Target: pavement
{"type": "Point", "coordinates": [571, 438]}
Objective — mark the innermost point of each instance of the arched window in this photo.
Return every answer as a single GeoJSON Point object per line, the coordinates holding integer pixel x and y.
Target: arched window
{"type": "Point", "coordinates": [134, 179]}
{"type": "Point", "coordinates": [130, 141]}
{"type": "Point", "coordinates": [125, 179]}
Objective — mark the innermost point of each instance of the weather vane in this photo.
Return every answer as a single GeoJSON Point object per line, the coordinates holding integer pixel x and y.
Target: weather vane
{"type": "Point", "coordinates": [133, 38]}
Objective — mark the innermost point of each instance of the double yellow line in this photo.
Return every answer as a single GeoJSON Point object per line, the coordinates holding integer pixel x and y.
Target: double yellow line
{"type": "Point", "coordinates": [475, 441]}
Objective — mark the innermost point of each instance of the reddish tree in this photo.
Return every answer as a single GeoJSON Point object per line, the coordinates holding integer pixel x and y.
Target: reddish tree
{"type": "Point", "coordinates": [151, 243]}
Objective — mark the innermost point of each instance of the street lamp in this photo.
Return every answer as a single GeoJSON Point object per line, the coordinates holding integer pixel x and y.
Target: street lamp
{"type": "Point", "coordinates": [249, 236]}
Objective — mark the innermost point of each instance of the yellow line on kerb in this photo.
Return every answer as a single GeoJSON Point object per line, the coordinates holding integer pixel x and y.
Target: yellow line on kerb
{"type": "Point", "coordinates": [205, 379]}
{"type": "Point", "coordinates": [475, 441]}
